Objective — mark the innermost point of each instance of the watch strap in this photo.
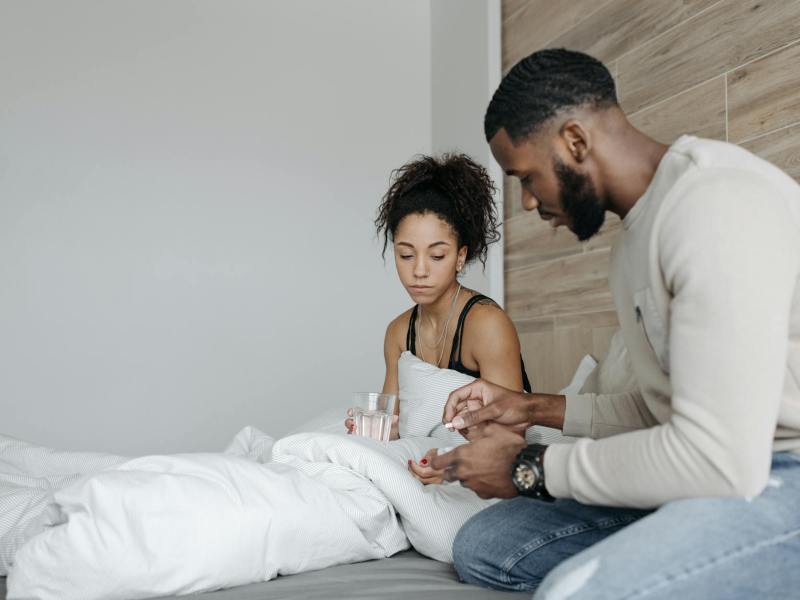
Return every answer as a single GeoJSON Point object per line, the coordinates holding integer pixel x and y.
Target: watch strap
{"type": "Point", "coordinates": [534, 454]}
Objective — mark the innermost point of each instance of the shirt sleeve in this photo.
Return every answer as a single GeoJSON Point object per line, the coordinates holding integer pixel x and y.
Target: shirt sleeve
{"type": "Point", "coordinates": [728, 253]}
{"type": "Point", "coordinates": [609, 402]}
{"type": "Point", "coordinates": [603, 415]}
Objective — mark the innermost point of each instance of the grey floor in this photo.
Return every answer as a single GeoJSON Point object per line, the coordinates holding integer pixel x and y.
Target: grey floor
{"type": "Point", "coordinates": [407, 575]}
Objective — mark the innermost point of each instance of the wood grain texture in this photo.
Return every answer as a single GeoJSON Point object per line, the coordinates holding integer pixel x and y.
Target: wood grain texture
{"type": "Point", "coordinates": [512, 193]}
{"type": "Point", "coordinates": [781, 148]}
{"type": "Point", "coordinates": [764, 95]}
{"type": "Point", "coordinates": [538, 352]}
{"type": "Point", "coordinates": [727, 35]}
{"type": "Point", "coordinates": [698, 111]}
{"type": "Point", "coordinates": [576, 284]}
{"type": "Point", "coordinates": [528, 26]}
{"type": "Point", "coordinates": [530, 240]}
{"type": "Point", "coordinates": [621, 25]}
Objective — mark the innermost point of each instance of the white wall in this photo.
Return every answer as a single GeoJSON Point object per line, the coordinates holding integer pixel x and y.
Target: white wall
{"type": "Point", "coordinates": [186, 199]}
{"type": "Point", "coordinates": [465, 71]}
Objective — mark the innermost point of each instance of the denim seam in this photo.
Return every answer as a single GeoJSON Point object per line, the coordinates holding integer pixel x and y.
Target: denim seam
{"type": "Point", "coordinates": [713, 562]}
{"type": "Point", "coordinates": [554, 536]}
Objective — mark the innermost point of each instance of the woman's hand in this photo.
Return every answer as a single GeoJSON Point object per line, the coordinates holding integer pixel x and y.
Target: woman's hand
{"type": "Point", "coordinates": [484, 466]}
{"type": "Point", "coordinates": [350, 425]}
{"type": "Point", "coordinates": [424, 471]}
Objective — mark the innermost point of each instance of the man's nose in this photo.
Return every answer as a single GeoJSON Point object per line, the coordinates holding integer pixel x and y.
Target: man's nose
{"type": "Point", "coordinates": [529, 201]}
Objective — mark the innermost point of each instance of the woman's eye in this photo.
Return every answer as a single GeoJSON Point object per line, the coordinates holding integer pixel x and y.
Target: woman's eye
{"type": "Point", "coordinates": [437, 257]}
{"type": "Point", "coordinates": [406, 256]}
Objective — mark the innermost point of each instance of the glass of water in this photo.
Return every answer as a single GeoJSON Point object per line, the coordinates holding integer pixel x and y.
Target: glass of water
{"type": "Point", "coordinates": [372, 415]}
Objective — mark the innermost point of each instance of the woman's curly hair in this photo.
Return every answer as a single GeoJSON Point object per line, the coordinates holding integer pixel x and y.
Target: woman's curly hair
{"type": "Point", "coordinates": [453, 187]}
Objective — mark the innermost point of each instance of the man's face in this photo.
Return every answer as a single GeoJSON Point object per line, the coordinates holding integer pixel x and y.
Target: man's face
{"type": "Point", "coordinates": [560, 194]}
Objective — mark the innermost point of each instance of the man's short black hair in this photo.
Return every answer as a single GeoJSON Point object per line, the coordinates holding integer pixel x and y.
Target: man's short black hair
{"type": "Point", "coordinates": [543, 84]}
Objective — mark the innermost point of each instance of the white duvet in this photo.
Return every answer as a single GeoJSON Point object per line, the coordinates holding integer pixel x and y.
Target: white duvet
{"type": "Point", "coordinates": [164, 525]}
{"type": "Point", "coordinates": [83, 526]}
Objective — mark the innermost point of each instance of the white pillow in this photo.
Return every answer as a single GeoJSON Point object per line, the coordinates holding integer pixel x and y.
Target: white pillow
{"type": "Point", "coordinates": [547, 435]}
{"type": "Point", "coordinates": [424, 389]}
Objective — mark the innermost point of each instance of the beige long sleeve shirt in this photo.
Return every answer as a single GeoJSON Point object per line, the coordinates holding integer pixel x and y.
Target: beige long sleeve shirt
{"type": "Point", "coordinates": [706, 283]}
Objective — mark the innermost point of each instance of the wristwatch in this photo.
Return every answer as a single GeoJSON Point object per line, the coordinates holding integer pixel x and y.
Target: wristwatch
{"type": "Point", "coordinates": [527, 473]}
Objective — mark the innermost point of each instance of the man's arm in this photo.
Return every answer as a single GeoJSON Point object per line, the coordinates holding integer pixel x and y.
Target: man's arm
{"type": "Point", "coordinates": [609, 402]}
{"type": "Point", "coordinates": [729, 255]}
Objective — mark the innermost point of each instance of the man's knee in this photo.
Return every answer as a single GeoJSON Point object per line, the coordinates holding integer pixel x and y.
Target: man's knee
{"type": "Point", "coordinates": [469, 550]}
{"type": "Point", "coordinates": [483, 551]}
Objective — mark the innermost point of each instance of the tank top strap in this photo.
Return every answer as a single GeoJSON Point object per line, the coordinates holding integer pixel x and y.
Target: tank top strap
{"type": "Point", "coordinates": [459, 332]}
{"type": "Point", "coordinates": [411, 335]}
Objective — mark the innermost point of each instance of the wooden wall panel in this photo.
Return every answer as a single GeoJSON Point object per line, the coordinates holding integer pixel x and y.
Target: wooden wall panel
{"type": "Point", "coordinates": [721, 69]}
{"type": "Point", "coordinates": [698, 111]}
{"type": "Point", "coordinates": [529, 240]}
{"type": "Point", "coordinates": [781, 148]}
{"type": "Point", "coordinates": [622, 25]}
{"type": "Point", "coordinates": [729, 34]}
{"type": "Point", "coordinates": [529, 25]}
{"type": "Point", "coordinates": [763, 96]}
{"type": "Point", "coordinates": [572, 285]}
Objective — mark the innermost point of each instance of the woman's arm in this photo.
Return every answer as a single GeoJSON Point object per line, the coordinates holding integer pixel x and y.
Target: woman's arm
{"type": "Point", "coordinates": [491, 340]}
{"type": "Point", "coordinates": [393, 346]}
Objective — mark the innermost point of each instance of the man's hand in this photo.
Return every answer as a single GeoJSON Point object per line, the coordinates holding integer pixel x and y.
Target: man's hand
{"type": "Point", "coordinates": [503, 406]}
{"type": "Point", "coordinates": [484, 466]}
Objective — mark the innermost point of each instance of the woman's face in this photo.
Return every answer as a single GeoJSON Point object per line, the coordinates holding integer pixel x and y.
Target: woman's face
{"type": "Point", "coordinates": [426, 253]}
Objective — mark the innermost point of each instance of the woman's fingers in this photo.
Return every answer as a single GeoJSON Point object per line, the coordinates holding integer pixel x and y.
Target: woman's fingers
{"type": "Point", "coordinates": [424, 472]}
{"type": "Point", "coordinates": [349, 423]}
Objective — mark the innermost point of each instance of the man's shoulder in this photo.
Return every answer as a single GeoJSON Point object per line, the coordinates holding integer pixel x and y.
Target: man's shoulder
{"type": "Point", "coordinates": [704, 162]}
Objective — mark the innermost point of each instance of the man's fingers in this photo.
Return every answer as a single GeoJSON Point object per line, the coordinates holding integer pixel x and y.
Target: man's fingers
{"type": "Point", "coordinates": [450, 473]}
{"type": "Point", "coordinates": [475, 417]}
{"type": "Point", "coordinates": [444, 461]}
{"type": "Point", "coordinates": [472, 391]}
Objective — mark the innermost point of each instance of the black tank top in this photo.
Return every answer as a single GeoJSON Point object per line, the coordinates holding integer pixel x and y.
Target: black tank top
{"type": "Point", "coordinates": [455, 352]}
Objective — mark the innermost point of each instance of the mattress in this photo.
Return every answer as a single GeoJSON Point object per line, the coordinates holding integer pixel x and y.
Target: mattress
{"type": "Point", "coordinates": [406, 575]}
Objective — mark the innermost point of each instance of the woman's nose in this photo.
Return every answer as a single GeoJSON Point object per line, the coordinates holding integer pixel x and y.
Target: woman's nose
{"type": "Point", "coordinates": [420, 268]}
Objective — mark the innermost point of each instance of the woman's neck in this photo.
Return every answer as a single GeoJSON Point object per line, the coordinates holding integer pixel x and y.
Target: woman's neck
{"type": "Point", "coordinates": [436, 312]}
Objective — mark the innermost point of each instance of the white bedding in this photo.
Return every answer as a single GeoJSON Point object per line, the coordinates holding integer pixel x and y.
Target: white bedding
{"type": "Point", "coordinates": [93, 526]}
{"type": "Point", "coordinates": [164, 525]}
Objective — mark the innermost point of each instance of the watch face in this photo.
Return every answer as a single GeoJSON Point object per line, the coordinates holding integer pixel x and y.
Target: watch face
{"type": "Point", "coordinates": [524, 477]}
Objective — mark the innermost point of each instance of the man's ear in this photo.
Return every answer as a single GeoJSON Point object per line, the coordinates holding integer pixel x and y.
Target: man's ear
{"type": "Point", "coordinates": [577, 139]}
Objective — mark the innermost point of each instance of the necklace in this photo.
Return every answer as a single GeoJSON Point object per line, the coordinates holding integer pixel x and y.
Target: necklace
{"type": "Point", "coordinates": [443, 337]}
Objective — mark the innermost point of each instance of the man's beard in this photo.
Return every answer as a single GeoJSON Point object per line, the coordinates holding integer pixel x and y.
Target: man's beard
{"type": "Point", "coordinates": [580, 201]}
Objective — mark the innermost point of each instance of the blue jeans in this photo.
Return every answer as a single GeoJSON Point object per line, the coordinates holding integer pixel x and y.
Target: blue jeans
{"type": "Point", "coordinates": [702, 548]}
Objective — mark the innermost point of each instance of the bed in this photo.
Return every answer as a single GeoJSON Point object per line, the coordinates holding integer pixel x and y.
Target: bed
{"type": "Point", "coordinates": [406, 575]}
{"type": "Point", "coordinates": [325, 506]}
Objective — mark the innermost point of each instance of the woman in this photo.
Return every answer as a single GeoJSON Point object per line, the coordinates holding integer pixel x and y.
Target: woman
{"type": "Point", "coordinates": [440, 216]}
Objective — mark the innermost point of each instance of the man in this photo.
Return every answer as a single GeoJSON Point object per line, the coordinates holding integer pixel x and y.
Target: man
{"type": "Point", "coordinates": [688, 486]}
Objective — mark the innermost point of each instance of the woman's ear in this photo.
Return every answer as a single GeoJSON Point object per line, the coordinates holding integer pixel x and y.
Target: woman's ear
{"type": "Point", "coordinates": [461, 260]}
{"type": "Point", "coordinates": [577, 139]}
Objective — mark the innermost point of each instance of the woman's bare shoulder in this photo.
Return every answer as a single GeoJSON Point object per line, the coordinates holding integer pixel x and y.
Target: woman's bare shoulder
{"type": "Point", "coordinates": [487, 318]}
{"type": "Point", "coordinates": [398, 327]}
